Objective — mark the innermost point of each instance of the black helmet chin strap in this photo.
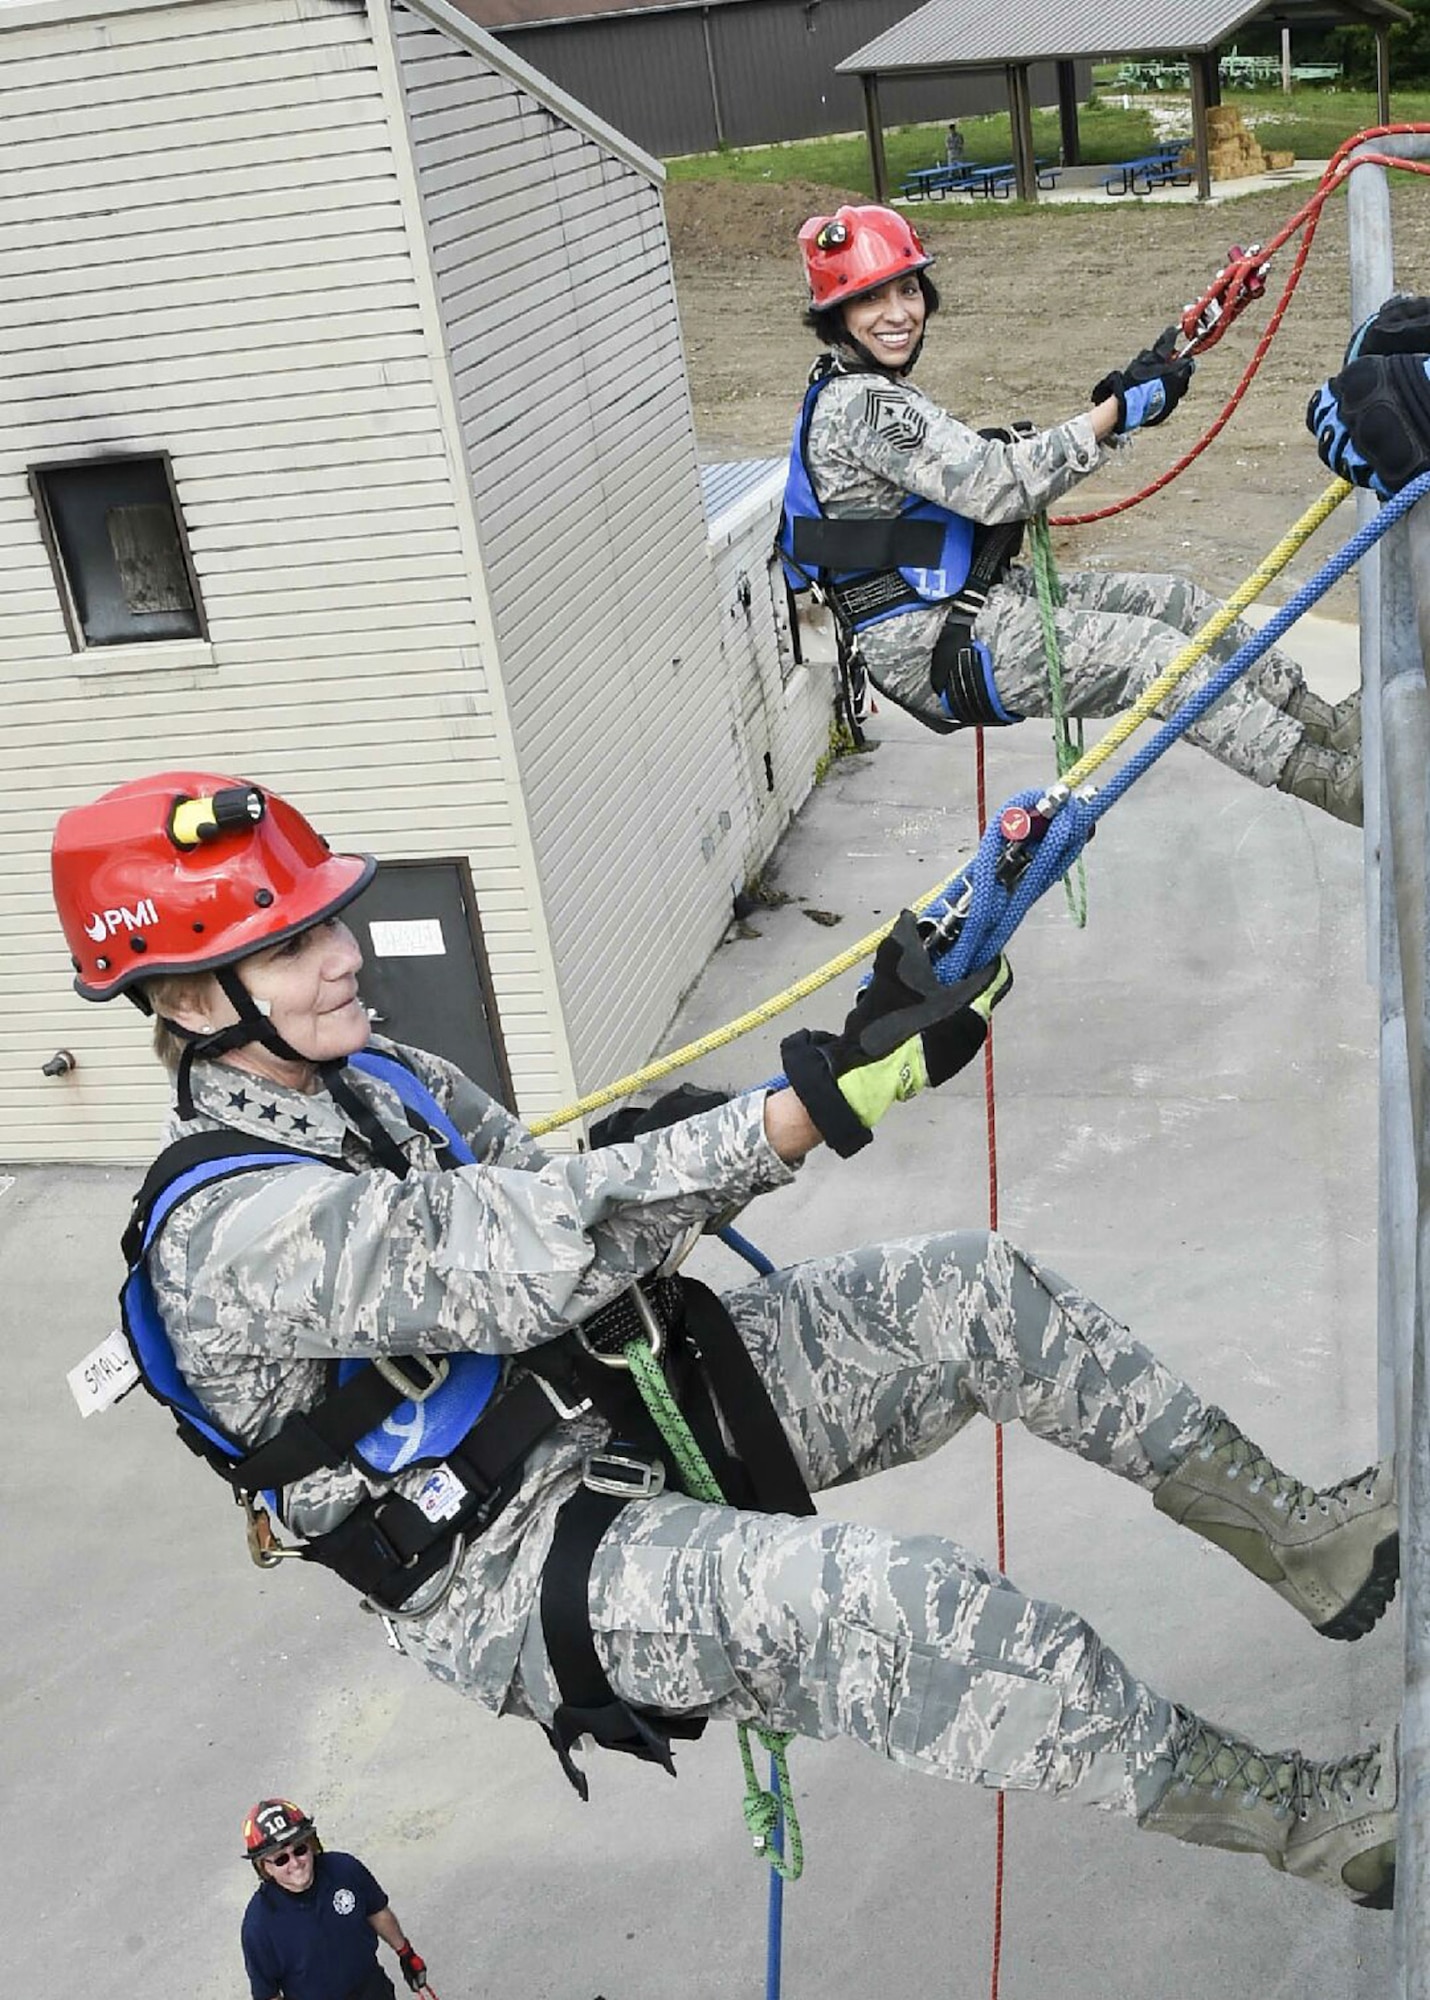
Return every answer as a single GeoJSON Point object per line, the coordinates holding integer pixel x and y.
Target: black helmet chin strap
{"type": "Point", "coordinates": [882, 367]}
{"type": "Point", "coordinates": [252, 1025]}
{"type": "Point", "coordinates": [360, 1114]}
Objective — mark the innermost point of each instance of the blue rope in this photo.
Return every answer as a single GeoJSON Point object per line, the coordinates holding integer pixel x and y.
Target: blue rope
{"type": "Point", "coordinates": [774, 1928]}
{"type": "Point", "coordinates": [995, 912]}
{"type": "Point", "coordinates": [743, 1247]}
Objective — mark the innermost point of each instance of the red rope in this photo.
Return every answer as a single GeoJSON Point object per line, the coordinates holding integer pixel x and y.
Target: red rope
{"type": "Point", "coordinates": [991, 1116]}
{"type": "Point", "coordinates": [1307, 217]}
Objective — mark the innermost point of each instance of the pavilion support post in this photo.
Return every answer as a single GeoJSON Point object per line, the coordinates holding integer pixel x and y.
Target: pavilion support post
{"type": "Point", "coordinates": [1020, 107]}
{"type": "Point", "coordinates": [1069, 137]}
{"type": "Point", "coordinates": [874, 130]}
{"type": "Point", "coordinates": [1201, 139]}
{"type": "Point", "coordinates": [1382, 74]}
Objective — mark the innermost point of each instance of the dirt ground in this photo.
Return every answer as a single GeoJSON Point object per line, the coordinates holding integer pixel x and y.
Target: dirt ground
{"type": "Point", "coordinates": [1036, 308]}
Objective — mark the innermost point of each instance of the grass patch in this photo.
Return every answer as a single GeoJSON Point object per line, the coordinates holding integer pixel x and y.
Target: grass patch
{"type": "Point", "coordinates": [1311, 123]}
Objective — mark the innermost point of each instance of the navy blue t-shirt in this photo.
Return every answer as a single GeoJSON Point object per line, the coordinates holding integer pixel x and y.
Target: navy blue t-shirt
{"type": "Point", "coordinates": [319, 1945]}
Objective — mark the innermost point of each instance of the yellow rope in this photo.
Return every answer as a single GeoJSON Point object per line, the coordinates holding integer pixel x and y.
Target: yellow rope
{"type": "Point", "coordinates": [1144, 706]}
{"type": "Point", "coordinates": [731, 1032]}
{"type": "Point", "coordinates": [1197, 648]}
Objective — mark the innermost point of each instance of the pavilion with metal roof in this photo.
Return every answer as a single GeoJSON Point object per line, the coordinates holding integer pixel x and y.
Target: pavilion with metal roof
{"type": "Point", "coordinates": [944, 37]}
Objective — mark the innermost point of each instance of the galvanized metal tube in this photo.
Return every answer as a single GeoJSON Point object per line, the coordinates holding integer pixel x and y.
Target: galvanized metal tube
{"type": "Point", "coordinates": [1406, 792]}
{"type": "Point", "coordinates": [1395, 645]}
{"type": "Point", "coordinates": [1395, 638]}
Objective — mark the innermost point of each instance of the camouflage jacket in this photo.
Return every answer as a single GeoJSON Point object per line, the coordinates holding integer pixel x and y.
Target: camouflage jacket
{"type": "Point", "coordinates": [875, 440]}
{"type": "Point", "coordinates": [264, 1279]}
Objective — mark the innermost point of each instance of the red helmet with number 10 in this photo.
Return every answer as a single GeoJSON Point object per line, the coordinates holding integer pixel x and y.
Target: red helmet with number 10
{"type": "Point", "coordinates": [186, 872]}
{"type": "Point", "coordinates": [856, 250]}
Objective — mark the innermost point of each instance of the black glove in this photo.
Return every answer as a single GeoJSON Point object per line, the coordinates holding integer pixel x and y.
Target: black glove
{"type": "Point", "coordinates": [1400, 326]}
{"type": "Point", "coordinates": [1371, 422]}
{"type": "Point", "coordinates": [414, 1969]}
{"type": "Point", "coordinates": [906, 1033]}
{"type": "Point", "coordinates": [1150, 387]}
{"type": "Point", "coordinates": [632, 1121]}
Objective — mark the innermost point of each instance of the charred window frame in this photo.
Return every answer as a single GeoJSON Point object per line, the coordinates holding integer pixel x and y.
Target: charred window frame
{"type": "Point", "coordinates": [116, 540]}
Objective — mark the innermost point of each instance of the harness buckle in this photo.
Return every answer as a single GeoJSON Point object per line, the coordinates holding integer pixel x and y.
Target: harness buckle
{"type": "Point", "coordinates": [624, 1478]}
{"type": "Point", "coordinates": [264, 1547]}
{"type": "Point", "coordinates": [393, 1368]}
{"type": "Point", "coordinates": [650, 1327]}
{"type": "Point", "coordinates": [567, 1412]}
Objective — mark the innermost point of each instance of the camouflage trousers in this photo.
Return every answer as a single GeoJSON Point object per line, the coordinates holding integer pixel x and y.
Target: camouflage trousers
{"type": "Point", "coordinates": [1117, 632]}
{"type": "Point", "coordinates": [909, 1644]}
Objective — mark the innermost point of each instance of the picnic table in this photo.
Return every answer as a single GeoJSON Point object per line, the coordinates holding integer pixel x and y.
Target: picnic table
{"type": "Point", "coordinates": [1162, 168]}
{"type": "Point", "coordinates": [995, 183]}
{"type": "Point", "coordinates": [922, 183]}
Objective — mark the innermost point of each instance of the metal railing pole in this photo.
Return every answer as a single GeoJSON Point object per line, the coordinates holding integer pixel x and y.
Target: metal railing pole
{"type": "Point", "coordinates": [1395, 637]}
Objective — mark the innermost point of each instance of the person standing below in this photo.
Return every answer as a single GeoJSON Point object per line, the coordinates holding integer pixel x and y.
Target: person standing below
{"type": "Point", "coordinates": [908, 520]}
{"type": "Point", "coordinates": [955, 148]}
{"type": "Point", "coordinates": [310, 1931]}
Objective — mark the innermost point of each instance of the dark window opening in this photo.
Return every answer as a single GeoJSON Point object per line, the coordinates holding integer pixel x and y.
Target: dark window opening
{"type": "Point", "coordinates": [120, 555]}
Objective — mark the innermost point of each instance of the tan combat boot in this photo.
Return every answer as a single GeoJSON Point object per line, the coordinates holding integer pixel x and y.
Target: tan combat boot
{"type": "Point", "coordinates": [1334, 1554]}
{"type": "Point", "coordinates": [1330, 779]}
{"type": "Point", "coordinates": [1333, 1824]}
{"type": "Point", "coordinates": [1335, 726]}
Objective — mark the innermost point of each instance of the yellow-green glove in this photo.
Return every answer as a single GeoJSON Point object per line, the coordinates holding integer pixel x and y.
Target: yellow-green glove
{"type": "Point", "coordinates": [906, 1033]}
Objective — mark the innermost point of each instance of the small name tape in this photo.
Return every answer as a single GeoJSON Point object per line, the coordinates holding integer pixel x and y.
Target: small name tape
{"type": "Point", "coordinates": [105, 1374]}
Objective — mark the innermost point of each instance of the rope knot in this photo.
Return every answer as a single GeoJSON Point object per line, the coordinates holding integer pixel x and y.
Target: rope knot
{"type": "Point", "coordinates": [762, 1814]}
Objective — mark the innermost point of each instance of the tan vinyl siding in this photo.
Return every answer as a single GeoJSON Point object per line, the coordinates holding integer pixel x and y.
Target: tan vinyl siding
{"type": "Point", "coordinates": [554, 277]}
{"type": "Point", "coordinates": [203, 251]}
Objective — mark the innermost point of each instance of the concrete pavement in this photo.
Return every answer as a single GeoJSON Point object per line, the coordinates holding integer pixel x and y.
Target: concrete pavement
{"type": "Point", "coordinates": [1186, 1125]}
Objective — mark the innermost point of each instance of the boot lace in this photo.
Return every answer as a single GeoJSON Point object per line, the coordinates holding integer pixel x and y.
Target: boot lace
{"type": "Point", "coordinates": [1285, 1780]}
{"type": "Point", "coordinates": [1241, 1457]}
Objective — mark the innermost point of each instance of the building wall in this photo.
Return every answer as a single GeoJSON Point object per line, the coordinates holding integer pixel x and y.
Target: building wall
{"type": "Point", "coordinates": [203, 250]}
{"type": "Point", "coordinates": [785, 705]}
{"type": "Point", "coordinates": [556, 291]}
{"type": "Point", "coordinates": [649, 74]}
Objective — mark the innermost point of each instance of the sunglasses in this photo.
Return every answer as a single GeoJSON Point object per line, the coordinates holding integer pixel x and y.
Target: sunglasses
{"type": "Point", "coordinates": [294, 1853]}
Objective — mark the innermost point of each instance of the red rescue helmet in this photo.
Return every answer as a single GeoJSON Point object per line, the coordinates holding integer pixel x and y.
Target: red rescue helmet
{"type": "Point", "coordinates": [187, 872]}
{"type": "Point", "coordinates": [855, 251]}
{"type": "Point", "coordinates": [270, 1827]}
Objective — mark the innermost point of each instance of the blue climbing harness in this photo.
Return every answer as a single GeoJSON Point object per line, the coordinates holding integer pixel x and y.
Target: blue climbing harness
{"type": "Point", "coordinates": [450, 1394]}
{"type": "Point", "coordinates": [877, 567]}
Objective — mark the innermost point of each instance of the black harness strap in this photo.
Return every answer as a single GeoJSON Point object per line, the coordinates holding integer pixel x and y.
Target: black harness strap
{"type": "Point", "coordinates": [720, 1392]}
{"type": "Point", "coordinates": [308, 1440]}
{"type": "Point", "coordinates": [957, 671]}
{"type": "Point", "coordinates": [589, 1705]}
{"type": "Point", "coordinates": [762, 1448]}
{"type": "Point", "coordinates": [197, 1149]}
{"type": "Point", "coordinates": [878, 542]}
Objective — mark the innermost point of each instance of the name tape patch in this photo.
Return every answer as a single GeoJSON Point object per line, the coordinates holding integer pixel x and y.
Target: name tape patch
{"type": "Point", "coordinates": [105, 1374]}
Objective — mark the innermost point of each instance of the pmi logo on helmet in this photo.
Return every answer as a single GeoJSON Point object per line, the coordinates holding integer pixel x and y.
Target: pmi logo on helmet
{"type": "Point", "coordinates": [106, 922]}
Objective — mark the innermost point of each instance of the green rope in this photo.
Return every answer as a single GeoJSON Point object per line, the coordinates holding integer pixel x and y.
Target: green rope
{"type": "Point", "coordinates": [762, 1808]}
{"type": "Point", "coordinates": [1066, 748]}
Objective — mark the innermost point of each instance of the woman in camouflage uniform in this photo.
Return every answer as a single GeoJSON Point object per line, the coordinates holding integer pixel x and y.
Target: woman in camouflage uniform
{"type": "Point", "coordinates": [369, 1244]}
{"type": "Point", "coordinates": [968, 647]}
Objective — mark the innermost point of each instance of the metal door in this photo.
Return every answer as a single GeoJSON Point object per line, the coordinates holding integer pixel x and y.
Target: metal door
{"type": "Point", "coordinates": [425, 978]}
